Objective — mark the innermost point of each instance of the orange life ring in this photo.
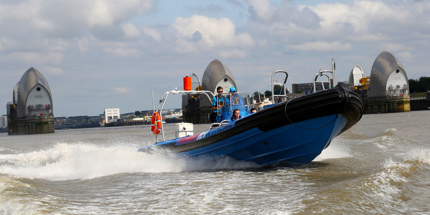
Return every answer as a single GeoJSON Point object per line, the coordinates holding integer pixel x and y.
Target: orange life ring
{"type": "Point", "coordinates": [156, 123]}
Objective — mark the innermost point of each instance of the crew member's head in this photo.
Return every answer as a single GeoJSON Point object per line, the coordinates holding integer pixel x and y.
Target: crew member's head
{"type": "Point", "coordinates": [219, 90]}
{"type": "Point", "coordinates": [232, 90]}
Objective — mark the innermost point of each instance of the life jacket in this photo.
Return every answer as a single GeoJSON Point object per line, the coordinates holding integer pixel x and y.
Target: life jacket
{"type": "Point", "coordinates": [219, 102]}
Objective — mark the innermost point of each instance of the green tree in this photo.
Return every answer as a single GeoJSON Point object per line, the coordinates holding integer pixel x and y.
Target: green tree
{"type": "Point", "coordinates": [424, 84]}
{"type": "Point", "coordinates": [413, 86]}
{"type": "Point", "coordinates": [279, 90]}
{"type": "Point", "coordinates": [420, 85]}
{"type": "Point", "coordinates": [137, 113]}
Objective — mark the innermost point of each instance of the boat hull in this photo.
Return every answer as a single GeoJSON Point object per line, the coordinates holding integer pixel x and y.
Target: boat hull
{"type": "Point", "coordinates": [287, 133]}
{"type": "Point", "coordinates": [290, 144]}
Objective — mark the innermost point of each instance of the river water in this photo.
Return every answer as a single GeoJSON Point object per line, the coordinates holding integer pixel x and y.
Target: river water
{"type": "Point", "coordinates": [379, 166]}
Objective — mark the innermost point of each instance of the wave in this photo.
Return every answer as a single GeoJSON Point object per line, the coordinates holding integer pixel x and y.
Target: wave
{"type": "Point", "coordinates": [10, 202]}
{"type": "Point", "coordinates": [65, 161]}
{"type": "Point", "coordinates": [419, 155]}
{"type": "Point", "coordinates": [401, 184]}
{"type": "Point", "coordinates": [388, 140]}
{"type": "Point", "coordinates": [393, 189]}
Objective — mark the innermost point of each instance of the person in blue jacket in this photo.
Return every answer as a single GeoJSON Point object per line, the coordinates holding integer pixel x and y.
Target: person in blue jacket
{"type": "Point", "coordinates": [234, 99]}
{"type": "Point", "coordinates": [218, 102]}
{"type": "Point", "coordinates": [236, 116]}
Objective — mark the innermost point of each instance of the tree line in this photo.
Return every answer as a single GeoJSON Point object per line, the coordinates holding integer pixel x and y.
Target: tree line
{"type": "Point", "coordinates": [277, 88]}
{"type": "Point", "coordinates": [419, 85]}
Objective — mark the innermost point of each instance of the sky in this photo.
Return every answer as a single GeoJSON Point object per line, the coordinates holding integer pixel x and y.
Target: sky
{"type": "Point", "coordinates": [113, 54]}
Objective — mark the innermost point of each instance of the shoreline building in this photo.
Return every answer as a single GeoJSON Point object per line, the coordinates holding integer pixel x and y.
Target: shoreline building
{"type": "Point", "coordinates": [31, 111]}
{"type": "Point", "coordinates": [111, 115]}
{"type": "Point", "coordinates": [3, 123]}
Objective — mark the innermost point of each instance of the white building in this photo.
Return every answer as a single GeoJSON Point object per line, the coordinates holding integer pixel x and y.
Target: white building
{"type": "Point", "coordinates": [111, 115]}
{"type": "Point", "coordinates": [3, 121]}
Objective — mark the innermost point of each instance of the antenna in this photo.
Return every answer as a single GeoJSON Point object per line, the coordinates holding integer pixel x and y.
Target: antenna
{"type": "Point", "coordinates": [153, 106]}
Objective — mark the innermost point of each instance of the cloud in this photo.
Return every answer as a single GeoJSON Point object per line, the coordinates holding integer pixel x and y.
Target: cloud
{"type": "Point", "coordinates": [36, 58]}
{"type": "Point", "coordinates": [39, 32]}
{"type": "Point", "coordinates": [235, 53]}
{"type": "Point", "coordinates": [100, 14]}
{"type": "Point", "coordinates": [55, 71]}
{"type": "Point", "coordinates": [395, 47]}
{"type": "Point", "coordinates": [130, 30]}
{"type": "Point", "coordinates": [152, 33]}
{"type": "Point", "coordinates": [4, 42]}
{"type": "Point", "coordinates": [336, 15]}
{"type": "Point", "coordinates": [352, 21]}
{"type": "Point", "coordinates": [121, 90]}
{"type": "Point", "coordinates": [383, 20]}
{"type": "Point", "coordinates": [407, 56]}
{"type": "Point", "coordinates": [235, 3]}
{"type": "Point", "coordinates": [83, 44]}
{"type": "Point", "coordinates": [203, 33]}
{"type": "Point", "coordinates": [263, 9]}
{"type": "Point", "coordinates": [107, 12]}
{"type": "Point", "coordinates": [124, 52]}
{"type": "Point", "coordinates": [69, 17]}
{"type": "Point", "coordinates": [321, 46]}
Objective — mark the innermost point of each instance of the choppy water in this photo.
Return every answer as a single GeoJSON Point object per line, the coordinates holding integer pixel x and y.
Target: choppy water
{"type": "Point", "coordinates": [380, 166]}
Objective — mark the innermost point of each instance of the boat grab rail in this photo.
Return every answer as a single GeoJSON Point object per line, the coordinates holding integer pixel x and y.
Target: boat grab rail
{"type": "Point", "coordinates": [163, 100]}
{"type": "Point", "coordinates": [321, 73]}
{"type": "Point", "coordinates": [284, 89]}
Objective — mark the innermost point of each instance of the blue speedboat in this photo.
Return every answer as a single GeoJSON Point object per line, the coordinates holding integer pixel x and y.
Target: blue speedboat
{"type": "Point", "coordinates": [288, 133]}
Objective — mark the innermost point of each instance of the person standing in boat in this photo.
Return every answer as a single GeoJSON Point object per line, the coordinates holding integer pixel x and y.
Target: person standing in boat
{"type": "Point", "coordinates": [234, 99]}
{"type": "Point", "coordinates": [236, 116]}
{"type": "Point", "coordinates": [218, 102]}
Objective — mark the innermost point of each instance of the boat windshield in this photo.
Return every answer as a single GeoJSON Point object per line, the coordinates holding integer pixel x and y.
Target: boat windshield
{"type": "Point", "coordinates": [242, 101]}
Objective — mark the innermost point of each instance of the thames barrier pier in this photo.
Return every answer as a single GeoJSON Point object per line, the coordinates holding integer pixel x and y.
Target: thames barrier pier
{"type": "Point", "coordinates": [31, 111]}
{"type": "Point", "coordinates": [386, 89]}
{"type": "Point", "coordinates": [196, 108]}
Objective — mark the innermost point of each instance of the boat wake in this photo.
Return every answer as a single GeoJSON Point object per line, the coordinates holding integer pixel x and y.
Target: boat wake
{"type": "Point", "coordinates": [399, 186]}
{"type": "Point", "coordinates": [389, 183]}
{"type": "Point", "coordinates": [80, 161]}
